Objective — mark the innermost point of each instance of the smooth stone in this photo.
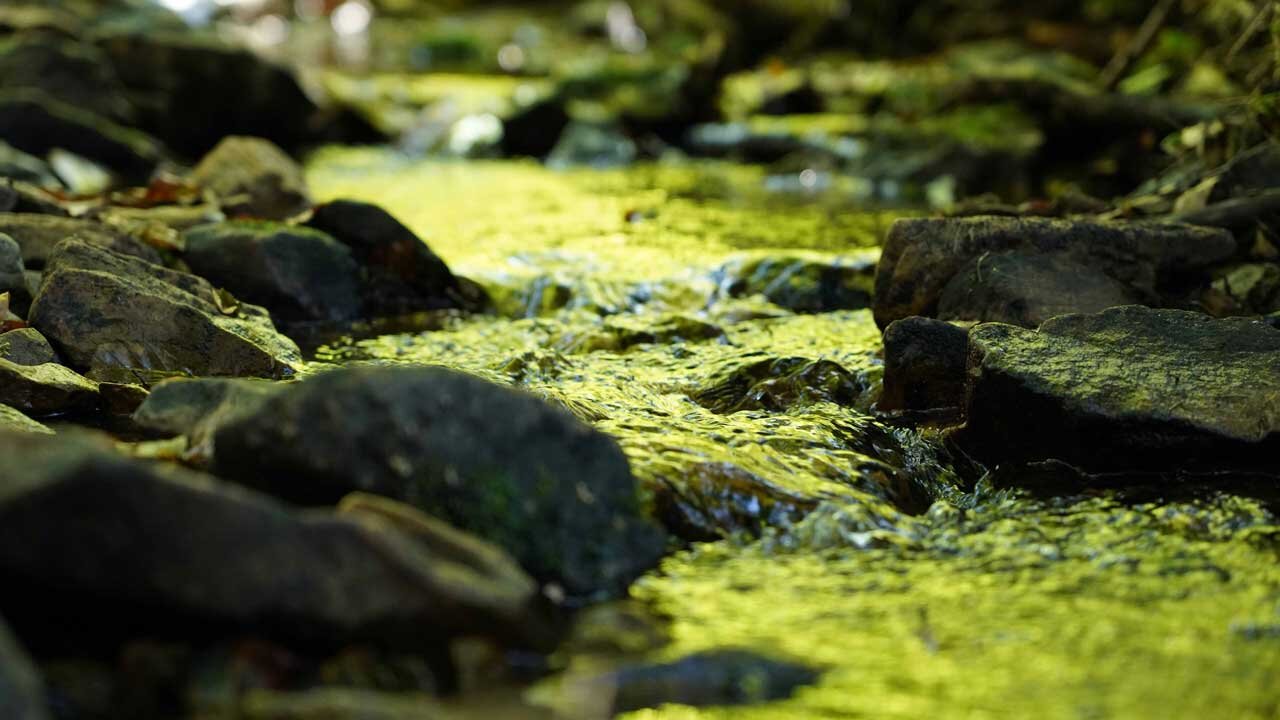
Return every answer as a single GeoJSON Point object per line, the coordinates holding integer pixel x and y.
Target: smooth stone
{"type": "Point", "coordinates": [26, 346]}
{"type": "Point", "coordinates": [252, 177]}
{"type": "Point", "coordinates": [924, 365]}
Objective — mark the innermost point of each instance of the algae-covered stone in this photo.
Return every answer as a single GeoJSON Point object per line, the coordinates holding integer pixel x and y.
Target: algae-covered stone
{"type": "Point", "coordinates": [38, 235]}
{"type": "Point", "coordinates": [921, 256]}
{"type": "Point", "coordinates": [1129, 387]}
{"type": "Point", "coordinates": [12, 420]}
{"type": "Point", "coordinates": [102, 309]}
{"type": "Point", "coordinates": [1028, 288]}
{"type": "Point", "coordinates": [21, 690]}
{"type": "Point", "coordinates": [494, 461]}
{"type": "Point", "coordinates": [777, 384]}
{"type": "Point", "coordinates": [251, 176]}
{"type": "Point", "coordinates": [803, 284]}
{"type": "Point", "coordinates": [26, 346]}
{"type": "Point", "coordinates": [298, 274]}
{"type": "Point", "coordinates": [130, 545]}
{"type": "Point", "coordinates": [46, 389]}
{"type": "Point", "coordinates": [181, 406]}
{"type": "Point", "coordinates": [924, 365]}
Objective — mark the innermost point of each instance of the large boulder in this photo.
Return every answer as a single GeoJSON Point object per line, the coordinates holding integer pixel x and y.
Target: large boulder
{"type": "Point", "coordinates": [921, 256]}
{"type": "Point", "coordinates": [1129, 387]}
{"type": "Point", "coordinates": [21, 689]}
{"type": "Point", "coordinates": [253, 177]}
{"type": "Point", "coordinates": [38, 235]}
{"type": "Point", "coordinates": [298, 274]}
{"type": "Point", "coordinates": [399, 273]}
{"type": "Point", "coordinates": [116, 543]}
{"type": "Point", "coordinates": [503, 464]}
{"type": "Point", "coordinates": [46, 389]}
{"type": "Point", "coordinates": [103, 310]}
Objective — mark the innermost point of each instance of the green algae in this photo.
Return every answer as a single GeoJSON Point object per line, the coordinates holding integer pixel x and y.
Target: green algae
{"type": "Point", "coordinates": [988, 604]}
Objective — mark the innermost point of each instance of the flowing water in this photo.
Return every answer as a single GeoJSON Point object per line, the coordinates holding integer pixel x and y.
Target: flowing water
{"type": "Point", "coordinates": [816, 532]}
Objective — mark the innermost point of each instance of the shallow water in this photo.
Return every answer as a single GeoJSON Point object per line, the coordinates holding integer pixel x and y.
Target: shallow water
{"type": "Point", "coordinates": [849, 544]}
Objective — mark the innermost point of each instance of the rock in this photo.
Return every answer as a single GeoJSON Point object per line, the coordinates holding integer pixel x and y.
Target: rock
{"type": "Point", "coordinates": [36, 123]}
{"type": "Point", "coordinates": [121, 398]}
{"type": "Point", "coordinates": [1129, 387]}
{"type": "Point", "coordinates": [102, 309]}
{"type": "Point", "coordinates": [1244, 289]}
{"type": "Point", "coordinates": [253, 177]}
{"type": "Point", "coordinates": [297, 273]}
{"type": "Point", "coordinates": [46, 389]}
{"type": "Point", "coordinates": [534, 130]}
{"type": "Point", "coordinates": [493, 461]}
{"type": "Point", "coordinates": [398, 272]}
{"type": "Point", "coordinates": [591, 145]}
{"type": "Point", "coordinates": [126, 545]}
{"type": "Point", "coordinates": [922, 255]}
{"type": "Point", "coordinates": [619, 332]}
{"type": "Point", "coordinates": [196, 407]}
{"type": "Point", "coordinates": [1026, 289]}
{"type": "Point", "coordinates": [38, 235]}
{"type": "Point", "coordinates": [777, 384]}
{"type": "Point", "coordinates": [17, 165]}
{"type": "Point", "coordinates": [193, 91]}
{"type": "Point", "coordinates": [26, 346]}
{"type": "Point", "coordinates": [74, 72]}
{"type": "Point", "coordinates": [20, 685]}
{"type": "Point", "coordinates": [924, 365]}
{"type": "Point", "coordinates": [13, 421]}
{"type": "Point", "coordinates": [13, 275]}
{"type": "Point", "coordinates": [802, 284]}
{"type": "Point", "coordinates": [716, 500]}
{"type": "Point", "coordinates": [704, 679]}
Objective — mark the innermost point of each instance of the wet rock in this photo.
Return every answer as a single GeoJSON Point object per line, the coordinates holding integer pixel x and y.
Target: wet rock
{"type": "Point", "coordinates": [777, 384]}
{"type": "Point", "coordinates": [38, 235]}
{"type": "Point", "coordinates": [298, 274]}
{"type": "Point", "coordinates": [714, 500]}
{"type": "Point", "coordinates": [1129, 387]}
{"type": "Point", "coordinates": [17, 165]}
{"type": "Point", "coordinates": [591, 145]}
{"type": "Point", "coordinates": [491, 460]}
{"type": "Point", "coordinates": [533, 131]}
{"type": "Point", "coordinates": [20, 685]}
{"type": "Point", "coordinates": [221, 558]}
{"type": "Point", "coordinates": [924, 365]}
{"type": "Point", "coordinates": [253, 177]}
{"type": "Point", "coordinates": [102, 309]}
{"type": "Point", "coordinates": [617, 333]}
{"type": "Point", "coordinates": [192, 91]}
{"type": "Point", "coordinates": [705, 679]}
{"type": "Point", "coordinates": [26, 346]}
{"type": "Point", "coordinates": [182, 406]}
{"type": "Point", "coordinates": [922, 255]}
{"type": "Point", "coordinates": [803, 284]}
{"type": "Point", "coordinates": [12, 274]}
{"type": "Point", "coordinates": [398, 272]}
{"type": "Point", "coordinates": [46, 389]}
{"type": "Point", "coordinates": [13, 421]}
{"type": "Point", "coordinates": [37, 124]}
{"type": "Point", "coordinates": [1026, 289]}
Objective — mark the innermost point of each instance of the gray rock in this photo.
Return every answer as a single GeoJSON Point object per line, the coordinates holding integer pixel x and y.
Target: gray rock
{"type": "Point", "coordinates": [298, 274]}
{"type": "Point", "coordinates": [1026, 289]}
{"type": "Point", "coordinates": [924, 365]}
{"type": "Point", "coordinates": [491, 460]}
{"type": "Point", "coordinates": [398, 271]}
{"type": "Point", "coordinates": [253, 177]}
{"type": "Point", "coordinates": [197, 407]}
{"type": "Point", "coordinates": [20, 166]}
{"type": "Point", "coordinates": [130, 545]}
{"type": "Point", "coordinates": [12, 420]}
{"type": "Point", "coordinates": [38, 235]}
{"type": "Point", "coordinates": [21, 689]}
{"type": "Point", "coordinates": [102, 309]}
{"type": "Point", "coordinates": [13, 274]}
{"type": "Point", "coordinates": [26, 346]}
{"type": "Point", "coordinates": [1129, 387]}
{"type": "Point", "coordinates": [921, 256]}
{"type": "Point", "coordinates": [46, 389]}
{"type": "Point", "coordinates": [803, 284]}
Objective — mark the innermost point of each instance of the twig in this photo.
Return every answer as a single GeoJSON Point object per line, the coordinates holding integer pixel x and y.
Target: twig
{"type": "Point", "coordinates": [1122, 61]}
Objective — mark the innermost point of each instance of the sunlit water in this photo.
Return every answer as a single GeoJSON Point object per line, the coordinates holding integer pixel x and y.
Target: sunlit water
{"type": "Point", "coordinates": [849, 544]}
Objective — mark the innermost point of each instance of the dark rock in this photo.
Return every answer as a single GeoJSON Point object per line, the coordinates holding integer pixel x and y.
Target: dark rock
{"type": "Point", "coordinates": [398, 272]}
{"type": "Point", "coordinates": [20, 685]}
{"type": "Point", "coordinates": [254, 178]}
{"type": "Point", "coordinates": [26, 346]}
{"type": "Point", "coordinates": [102, 309]}
{"type": "Point", "coordinates": [777, 384]}
{"type": "Point", "coordinates": [38, 235]}
{"type": "Point", "coordinates": [121, 398]}
{"type": "Point", "coordinates": [800, 284]}
{"type": "Point", "coordinates": [74, 72]}
{"type": "Point", "coordinates": [1129, 387]}
{"type": "Point", "coordinates": [1026, 289]}
{"type": "Point", "coordinates": [46, 389]}
{"type": "Point", "coordinates": [714, 500]}
{"type": "Point", "coordinates": [193, 91]}
{"type": "Point", "coordinates": [491, 460]}
{"type": "Point", "coordinates": [1244, 289]}
{"type": "Point", "coordinates": [705, 679]}
{"type": "Point", "coordinates": [922, 255]}
{"type": "Point", "coordinates": [534, 130]}
{"type": "Point", "coordinates": [128, 545]}
{"type": "Point", "coordinates": [12, 420]}
{"type": "Point", "coordinates": [13, 275]}
{"type": "Point", "coordinates": [36, 123]}
{"type": "Point", "coordinates": [181, 406]}
{"type": "Point", "coordinates": [924, 365]}
{"type": "Point", "coordinates": [297, 273]}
